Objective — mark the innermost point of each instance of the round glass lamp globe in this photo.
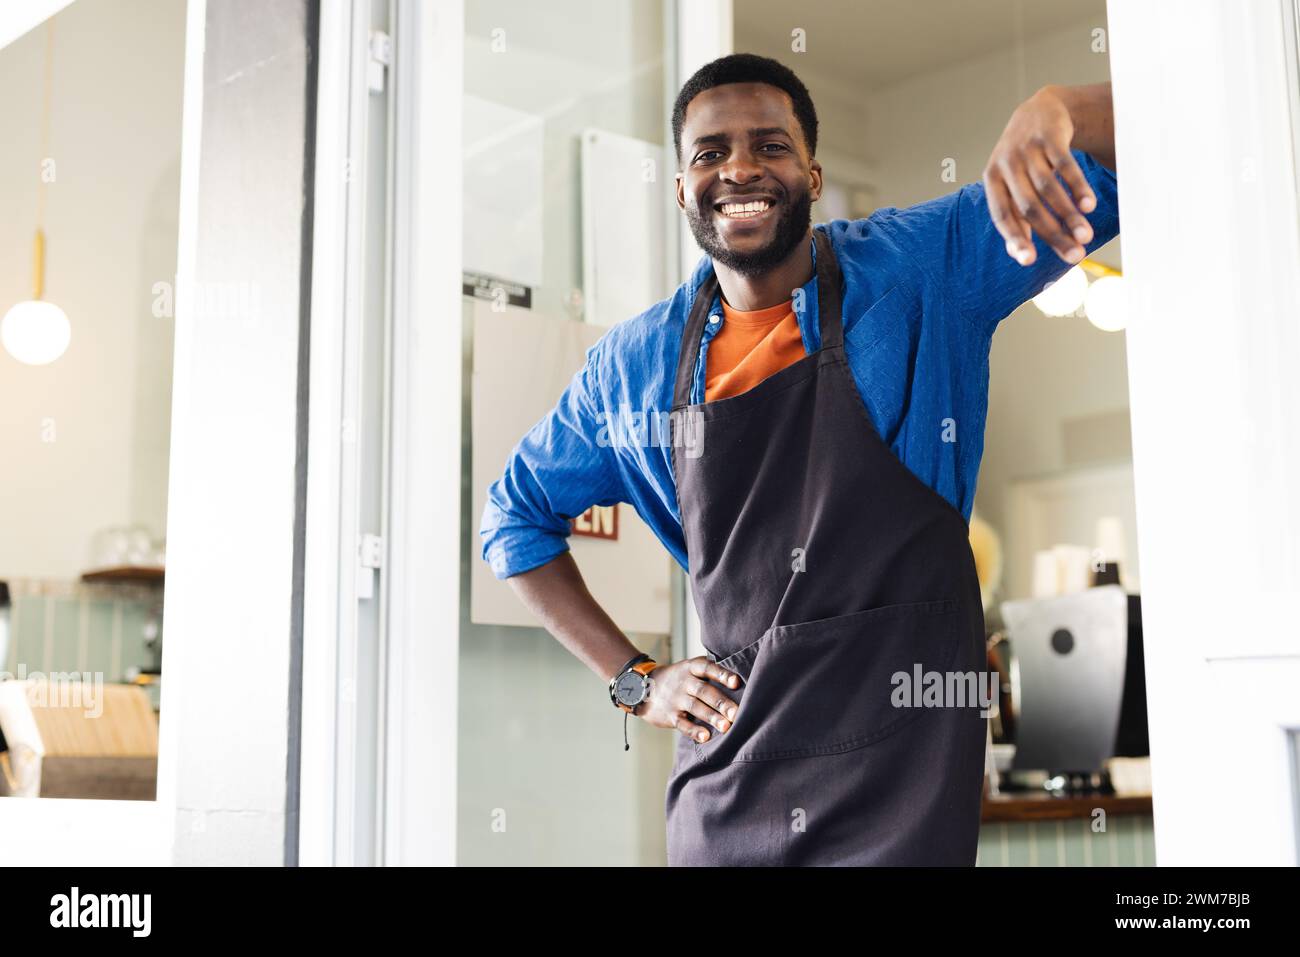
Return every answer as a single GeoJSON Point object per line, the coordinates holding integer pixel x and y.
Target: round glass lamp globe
{"type": "Point", "coordinates": [1106, 304]}
{"type": "Point", "coordinates": [1063, 297]}
{"type": "Point", "coordinates": [35, 332]}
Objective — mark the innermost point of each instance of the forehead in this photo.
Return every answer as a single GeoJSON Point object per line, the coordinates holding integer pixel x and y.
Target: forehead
{"type": "Point", "coordinates": [734, 107]}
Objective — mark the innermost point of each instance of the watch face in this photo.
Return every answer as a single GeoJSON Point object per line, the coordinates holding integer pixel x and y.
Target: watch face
{"type": "Point", "coordinates": [629, 688]}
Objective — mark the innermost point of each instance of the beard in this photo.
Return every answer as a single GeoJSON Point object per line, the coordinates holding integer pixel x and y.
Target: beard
{"type": "Point", "coordinates": [791, 229]}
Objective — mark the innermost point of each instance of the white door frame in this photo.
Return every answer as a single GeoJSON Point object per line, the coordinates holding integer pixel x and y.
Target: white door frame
{"type": "Point", "coordinates": [423, 667]}
{"type": "Point", "coordinates": [338, 726]}
{"type": "Point", "coordinates": [420, 578]}
{"type": "Point", "coordinates": [329, 581]}
{"type": "Point", "coordinates": [1214, 385]}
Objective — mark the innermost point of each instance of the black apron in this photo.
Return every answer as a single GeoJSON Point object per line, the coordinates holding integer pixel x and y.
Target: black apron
{"type": "Point", "coordinates": [822, 568]}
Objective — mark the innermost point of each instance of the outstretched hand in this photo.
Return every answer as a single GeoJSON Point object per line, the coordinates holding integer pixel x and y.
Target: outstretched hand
{"type": "Point", "coordinates": [1021, 185]}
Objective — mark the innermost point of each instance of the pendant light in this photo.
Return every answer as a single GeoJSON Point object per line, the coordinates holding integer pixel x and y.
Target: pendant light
{"type": "Point", "coordinates": [1106, 303]}
{"type": "Point", "coordinates": [1064, 295]}
{"type": "Point", "coordinates": [37, 331]}
{"type": "Point", "coordinates": [1104, 299]}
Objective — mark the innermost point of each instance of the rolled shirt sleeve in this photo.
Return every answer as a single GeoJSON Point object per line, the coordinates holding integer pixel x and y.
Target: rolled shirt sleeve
{"type": "Point", "coordinates": [953, 238]}
{"type": "Point", "coordinates": [559, 469]}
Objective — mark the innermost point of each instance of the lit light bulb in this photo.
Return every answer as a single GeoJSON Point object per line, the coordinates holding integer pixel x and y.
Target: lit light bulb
{"type": "Point", "coordinates": [1107, 304]}
{"type": "Point", "coordinates": [1063, 297]}
{"type": "Point", "coordinates": [35, 332]}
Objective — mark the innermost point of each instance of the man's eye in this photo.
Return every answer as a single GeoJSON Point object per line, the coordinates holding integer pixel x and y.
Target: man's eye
{"type": "Point", "coordinates": [707, 153]}
{"type": "Point", "coordinates": [780, 146]}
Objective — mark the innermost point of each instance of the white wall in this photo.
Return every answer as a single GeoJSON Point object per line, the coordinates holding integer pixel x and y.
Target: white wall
{"type": "Point", "coordinates": [111, 221]}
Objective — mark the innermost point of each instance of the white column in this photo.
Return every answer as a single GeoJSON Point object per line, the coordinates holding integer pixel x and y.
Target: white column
{"type": "Point", "coordinates": [1212, 256]}
{"type": "Point", "coordinates": [704, 33]}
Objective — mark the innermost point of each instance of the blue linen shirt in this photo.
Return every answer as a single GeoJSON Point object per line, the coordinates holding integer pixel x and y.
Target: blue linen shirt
{"type": "Point", "coordinates": [924, 289]}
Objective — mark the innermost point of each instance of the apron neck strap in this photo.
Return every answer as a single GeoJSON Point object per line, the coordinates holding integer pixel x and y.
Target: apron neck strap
{"type": "Point", "coordinates": [828, 313]}
{"type": "Point", "coordinates": [691, 338]}
{"type": "Point", "coordinates": [829, 292]}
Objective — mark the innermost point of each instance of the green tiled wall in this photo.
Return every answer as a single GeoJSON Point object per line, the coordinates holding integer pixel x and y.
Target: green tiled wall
{"type": "Point", "coordinates": [1128, 841]}
{"type": "Point", "coordinates": [86, 631]}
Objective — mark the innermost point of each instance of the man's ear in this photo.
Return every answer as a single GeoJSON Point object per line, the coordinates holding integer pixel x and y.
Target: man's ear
{"type": "Point", "coordinates": [681, 192]}
{"type": "Point", "coordinates": [815, 172]}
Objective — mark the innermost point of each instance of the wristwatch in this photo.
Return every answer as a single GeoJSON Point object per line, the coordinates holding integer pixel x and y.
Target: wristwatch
{"type": "Point", "coordinates": [631, 686]}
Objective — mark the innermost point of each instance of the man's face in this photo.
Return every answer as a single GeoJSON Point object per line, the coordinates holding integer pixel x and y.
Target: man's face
{"type": "Point", "coordinates": [742, 145]}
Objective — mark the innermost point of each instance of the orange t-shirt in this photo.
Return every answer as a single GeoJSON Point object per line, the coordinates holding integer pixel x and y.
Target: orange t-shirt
{"type": "Point", "coordinates": [750, 347]}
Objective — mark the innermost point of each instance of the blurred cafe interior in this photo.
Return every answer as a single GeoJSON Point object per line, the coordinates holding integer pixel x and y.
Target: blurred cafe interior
{"type": "Point", "coordinates": [85, 394]}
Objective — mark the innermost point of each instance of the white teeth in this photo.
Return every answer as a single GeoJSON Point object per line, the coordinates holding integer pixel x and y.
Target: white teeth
{"type": "Point", "coordinates": [746, 210]}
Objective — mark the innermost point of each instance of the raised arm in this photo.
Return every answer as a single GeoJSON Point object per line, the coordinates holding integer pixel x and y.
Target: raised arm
{"type": "Point", "coordinates": [955, 242]}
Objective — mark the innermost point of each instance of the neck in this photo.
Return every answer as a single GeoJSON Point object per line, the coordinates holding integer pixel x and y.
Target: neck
{"type": "Point", "coordinates": [748, 293]}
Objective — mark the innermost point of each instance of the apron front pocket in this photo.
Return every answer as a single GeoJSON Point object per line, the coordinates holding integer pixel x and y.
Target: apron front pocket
{"type": "Point", "coordinates": [841, 683]}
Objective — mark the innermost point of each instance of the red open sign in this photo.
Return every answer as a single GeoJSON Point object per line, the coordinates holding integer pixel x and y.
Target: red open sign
{"type": "Point", "coordinates": [599, 521]}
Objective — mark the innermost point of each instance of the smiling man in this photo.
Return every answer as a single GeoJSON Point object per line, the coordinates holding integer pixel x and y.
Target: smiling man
{"type": "Point", "coordinates": [828, 388]}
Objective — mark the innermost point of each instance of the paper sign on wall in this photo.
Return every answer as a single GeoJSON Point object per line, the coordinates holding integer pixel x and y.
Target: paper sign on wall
{"type": "Point", "coordinates": [522, 363]}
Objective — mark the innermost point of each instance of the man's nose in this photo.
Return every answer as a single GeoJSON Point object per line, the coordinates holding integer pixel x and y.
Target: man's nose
{"type": "Point", "coordinates": [741, 167]}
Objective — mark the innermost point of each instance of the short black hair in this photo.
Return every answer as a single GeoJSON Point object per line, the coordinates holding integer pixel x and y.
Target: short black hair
{"type": "Point", "coordinates": [747, 68]}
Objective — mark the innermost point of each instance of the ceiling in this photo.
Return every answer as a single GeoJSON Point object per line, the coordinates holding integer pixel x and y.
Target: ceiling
{"type": "Point", "coordinates": [874, 43]}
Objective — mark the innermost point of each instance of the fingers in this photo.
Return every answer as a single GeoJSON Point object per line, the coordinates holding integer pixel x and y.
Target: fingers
{"type": "Point", "coordinates": [1006, 220]}
{"type": "Point", "coordinates": [1029, 204]}
{"type": "Point", "coordinates": [703, 667]}
{"type": "Point", "coordinates": [706, 702]}
{"type": "Point", "coordinates": [1064, 163]}
{"type": "Point", "coordinates": [707, 715]}
{"type": "Point", "coordinates": [689, 728]}
{"type": "Point", "coordinates": [1058, 201]}
{"type": "Point", "coordinates": [1024, 195]}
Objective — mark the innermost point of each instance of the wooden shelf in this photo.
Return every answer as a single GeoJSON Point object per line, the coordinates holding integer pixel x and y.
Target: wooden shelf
{"type": "Point", "coordinates": [148, 574]}
{"type": "Point", "coordinates": [1035, 806]}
